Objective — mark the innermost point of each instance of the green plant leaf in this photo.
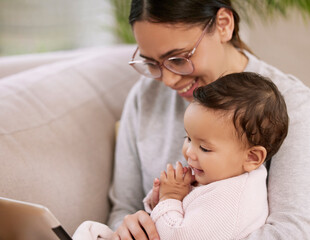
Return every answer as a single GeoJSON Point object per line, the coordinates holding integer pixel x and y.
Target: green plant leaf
{"type": "Point", "coordinates": [265, 9]}
{"type": "Point", "coordinates": [122, 30]}
{"type": "Point", "coordinates": [268, 9]}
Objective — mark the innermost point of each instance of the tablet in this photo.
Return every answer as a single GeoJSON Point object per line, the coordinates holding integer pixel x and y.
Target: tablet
{"type": "Point", "coordinates": [26, 221]}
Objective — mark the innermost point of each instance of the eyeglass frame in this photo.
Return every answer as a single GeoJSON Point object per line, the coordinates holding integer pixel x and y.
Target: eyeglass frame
{"type": "Point", "coordinates": [189, 55]}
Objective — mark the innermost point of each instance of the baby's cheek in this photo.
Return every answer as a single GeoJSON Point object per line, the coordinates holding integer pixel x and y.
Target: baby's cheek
{"type": "Point", "coordinates": [184, 149]}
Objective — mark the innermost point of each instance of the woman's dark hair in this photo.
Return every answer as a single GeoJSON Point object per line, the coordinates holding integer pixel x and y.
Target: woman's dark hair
{"type": "Point", "coordinates": [258, 108]}
{"type": "Point", "coordinates": [184, 11]}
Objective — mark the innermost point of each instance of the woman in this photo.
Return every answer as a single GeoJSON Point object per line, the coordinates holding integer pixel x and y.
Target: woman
{"type": "Point", "coordinates": [182, 45]}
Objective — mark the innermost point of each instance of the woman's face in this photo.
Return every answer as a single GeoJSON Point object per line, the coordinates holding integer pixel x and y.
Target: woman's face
{"type": "Point", "coordinates": [159, 41]}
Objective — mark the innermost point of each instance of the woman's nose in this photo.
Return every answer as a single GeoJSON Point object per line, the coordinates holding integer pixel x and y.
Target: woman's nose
{"type": "Point", "coordinates": [169, 78]}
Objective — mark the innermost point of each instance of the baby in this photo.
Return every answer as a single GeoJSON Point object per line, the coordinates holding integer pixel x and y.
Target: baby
{"type": "Point", "coordinates": [233, 126]}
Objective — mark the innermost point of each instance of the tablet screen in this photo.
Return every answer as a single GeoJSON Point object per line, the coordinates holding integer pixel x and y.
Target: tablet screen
{"type": "Point", "coordinates": [26, 221]}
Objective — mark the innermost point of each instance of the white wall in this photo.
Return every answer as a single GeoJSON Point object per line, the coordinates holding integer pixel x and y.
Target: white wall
{"type": "Point", "coordinates": [284, 43]}
{"type": "Point", "coordinates": [39, 26]}
{"type": "Point", "coordinates": [28, 26]}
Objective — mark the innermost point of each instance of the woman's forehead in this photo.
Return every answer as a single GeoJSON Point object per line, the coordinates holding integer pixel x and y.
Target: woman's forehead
{"type": "Point", "coordinates": [156, 39]}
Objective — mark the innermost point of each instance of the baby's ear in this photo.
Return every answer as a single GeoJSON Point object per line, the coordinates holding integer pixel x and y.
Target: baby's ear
{"type": "Point", "coordinates": [255, 157]}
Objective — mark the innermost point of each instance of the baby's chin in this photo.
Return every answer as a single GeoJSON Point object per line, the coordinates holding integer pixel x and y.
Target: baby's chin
{"type": "Point", "coordinates": [196, 184]}
{"type": "Point", "coordinates": [194, 181]}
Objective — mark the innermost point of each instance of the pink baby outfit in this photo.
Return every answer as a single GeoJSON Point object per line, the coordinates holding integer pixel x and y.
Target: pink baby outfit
{"type": "Point", "coordinates": [226, 209]}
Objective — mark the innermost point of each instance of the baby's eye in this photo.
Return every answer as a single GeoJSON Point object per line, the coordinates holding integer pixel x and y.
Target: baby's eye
{"type": "Point", "coordinates": [188, 138]}
{"type": "Point", "coordinates": [204, 149]}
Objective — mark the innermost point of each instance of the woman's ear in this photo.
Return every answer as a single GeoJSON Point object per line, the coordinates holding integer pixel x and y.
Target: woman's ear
{"type": "Point", "coordinates": [255, 157]}
{"type": "Point", "coordinates": [225, 24]}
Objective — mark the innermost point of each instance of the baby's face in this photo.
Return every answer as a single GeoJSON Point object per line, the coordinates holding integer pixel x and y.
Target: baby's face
{"type": "Point", "coordinates": [212, 148]}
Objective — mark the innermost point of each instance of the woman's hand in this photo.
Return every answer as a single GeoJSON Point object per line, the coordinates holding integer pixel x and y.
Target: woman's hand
{"type": "Point", "coordinates": [138, 226]}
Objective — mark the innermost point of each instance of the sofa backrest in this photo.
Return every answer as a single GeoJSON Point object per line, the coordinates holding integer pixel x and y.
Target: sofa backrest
{"type": "Point", "coordinates": [10, 65]}
{"type": "Point", "coordinates": [57, 132]}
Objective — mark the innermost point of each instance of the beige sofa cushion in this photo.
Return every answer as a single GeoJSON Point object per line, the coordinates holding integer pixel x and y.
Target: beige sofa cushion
{"type": "Point", "coordinates": [57, 133]}
{"type": "Point", "coordinates": [18, 63]}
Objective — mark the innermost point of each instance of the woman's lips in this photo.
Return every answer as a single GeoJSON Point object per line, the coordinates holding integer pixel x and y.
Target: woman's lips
{"type": "Point", "coordinates": [188, 91]}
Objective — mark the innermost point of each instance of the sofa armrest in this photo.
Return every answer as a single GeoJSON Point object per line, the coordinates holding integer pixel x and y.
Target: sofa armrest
{"type": "Point", "coordinates": [57, 133]}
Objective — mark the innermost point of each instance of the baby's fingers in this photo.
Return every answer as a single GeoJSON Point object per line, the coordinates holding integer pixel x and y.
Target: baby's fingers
{"type": "Point", "coordinates": [155, 194]}
{"type": "Point", "coordinates": [163, 176]}
{"type": "Point", "coordinates": [179, 172]}
{"type": "Point", "coordinates": [170, 172]}
{"type": "Point", "coordinates": [188, 177]}
{"type": "Point", "coordinates": [156, 183]}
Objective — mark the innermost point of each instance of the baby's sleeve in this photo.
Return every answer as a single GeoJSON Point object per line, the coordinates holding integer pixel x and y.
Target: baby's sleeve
{"type": "Point", "coordinates": [147, 202]}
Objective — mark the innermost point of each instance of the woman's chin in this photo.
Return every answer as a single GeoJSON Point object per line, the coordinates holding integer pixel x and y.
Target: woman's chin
{"type": "Point", "coordinates": [188, 95]}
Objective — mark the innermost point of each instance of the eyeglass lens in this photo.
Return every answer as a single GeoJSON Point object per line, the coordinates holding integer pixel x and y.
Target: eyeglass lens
{"type": "Point", "coordinates": [178, 65]}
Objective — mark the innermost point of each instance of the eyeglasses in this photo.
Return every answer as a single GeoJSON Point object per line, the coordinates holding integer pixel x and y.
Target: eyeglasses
{"type": "Point", "coordinates": [178, 64]}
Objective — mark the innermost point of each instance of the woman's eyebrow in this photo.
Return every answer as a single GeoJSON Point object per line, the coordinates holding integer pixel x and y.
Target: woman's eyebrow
{"type": "Point", "coordinates": [148, 58]}
{"type": "Point", "coordinates": [171, 52]}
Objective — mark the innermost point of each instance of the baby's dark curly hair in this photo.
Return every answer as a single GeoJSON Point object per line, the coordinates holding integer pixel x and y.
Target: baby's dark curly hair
{"type": "Point", "coordinates": [258, 108]}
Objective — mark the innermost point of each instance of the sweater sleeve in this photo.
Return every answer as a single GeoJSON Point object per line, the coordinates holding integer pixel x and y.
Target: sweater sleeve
{"type": "Point", "coordinates": [172, 211]}
{"type": "Point", "coordinates": [199, 221]}
{"type": "Point", "coordinates": [147, 202]}
{"type": "Point", "coordinates": [126, 192]}
{"type": "Point", "coordinates": [212, 211]}
{"type": "Point", "coordinates": [289, 182]}
{"type": "Point", "coordinates": [171, 223]}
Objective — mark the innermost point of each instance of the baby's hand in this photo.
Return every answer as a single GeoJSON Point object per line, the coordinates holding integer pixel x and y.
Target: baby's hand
{"type": "Point", "coordinates": [175, 183]}
{"type": "Point", "coordinates": [155, 193]}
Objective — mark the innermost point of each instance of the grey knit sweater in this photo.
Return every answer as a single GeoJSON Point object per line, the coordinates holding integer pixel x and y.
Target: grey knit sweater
{"type": "Point", "coordinates": [152, 133]}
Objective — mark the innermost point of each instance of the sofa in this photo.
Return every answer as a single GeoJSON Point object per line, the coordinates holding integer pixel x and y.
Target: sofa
{"type": "Point", "coordinates": [57, 128]}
